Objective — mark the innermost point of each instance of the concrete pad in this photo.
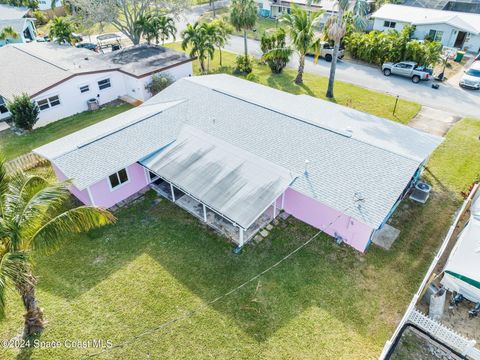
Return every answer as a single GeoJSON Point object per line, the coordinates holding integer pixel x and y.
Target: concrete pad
{"type": "Point", "coordinates": [269, 227]}
{"type": "Point", "coordinates": [434, 121]}
{"type": "Point", "coordinates": [264, 233]}
{"type": "Point", "coordinates": [4, 126]}
{"type": "Point", "coordinates": [386, 237]}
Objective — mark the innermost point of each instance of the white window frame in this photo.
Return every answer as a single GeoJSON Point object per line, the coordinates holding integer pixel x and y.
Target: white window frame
{"type": "Point", "coordinates": [121, 184]}
{"type": "Point", "coordinates": [47, 98]}
{"type": "Point", "coordinates": [436, 34]}
{"type": "Point", "coordinates": [83, 85]}
{"type": "Point", "coordinates": [109, 81]}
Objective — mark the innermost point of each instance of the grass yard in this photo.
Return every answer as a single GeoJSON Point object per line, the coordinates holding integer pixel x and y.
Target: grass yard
{"type": "Point", "coordinates": [158, 263]}
{"type": "Point", "coordinates": [353, 96]}
{"type": "Point", "coordinates": [12, 145]}
{"type": "Point", "coordinates": [262, 24]}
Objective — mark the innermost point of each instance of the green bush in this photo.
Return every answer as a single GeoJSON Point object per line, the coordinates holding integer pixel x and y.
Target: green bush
{"type": "Point", "coordinates": [243, 64]}
{"type": "Point", "coordinates": [378, 47]}
{"type": "Point", "coordinates": [40, 17]}
{"type": "Point", "coordinates": [24, 111]}
{"type": "Point", "coordinates": [159, 82]}
{"type": "Point", "coordinates": [275, 51]}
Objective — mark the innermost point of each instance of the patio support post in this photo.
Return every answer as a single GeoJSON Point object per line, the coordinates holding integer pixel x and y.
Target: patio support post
{"type": "Point", "coordinates": [173, 193]}
{"type": "Point", "coordinates": [274, 209]}
{"type": "Point", "coordinates": [283, 201]}
{"type": "Point", "coordinates": [204, 213]}
{"type": "Point", "coordinates": [240, 242]}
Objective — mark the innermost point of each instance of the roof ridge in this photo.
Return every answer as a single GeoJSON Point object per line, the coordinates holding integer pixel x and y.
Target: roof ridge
{"type": "Point", "coordinates": [39, 58]}
{"type": "Point", "coordinates": [298, 118]}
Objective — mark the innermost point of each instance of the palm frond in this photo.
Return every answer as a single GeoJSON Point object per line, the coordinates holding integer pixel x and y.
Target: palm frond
{"type": "Point", "coordinates": [84, 218]}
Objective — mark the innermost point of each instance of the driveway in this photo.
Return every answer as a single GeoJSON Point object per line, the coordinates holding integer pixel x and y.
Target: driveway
{"type": "Point", "coordinates": [449, 97]}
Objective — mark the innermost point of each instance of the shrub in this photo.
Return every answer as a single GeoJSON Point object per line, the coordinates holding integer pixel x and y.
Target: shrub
{"type": "Point", "coordinates": [275, 51]}
{"type": "Point", "coordinates": [24, 111]}
{"type": "Point", "coordinates": [40, 17]}
{"type": "Point", "coordinates": [251, 77]}
{"type": "Point", "coordinates": [243, 64]}
{"type": "Point", "coordinates": [378, 47]}
{"type": "Point", "coordinates": [159, 82]}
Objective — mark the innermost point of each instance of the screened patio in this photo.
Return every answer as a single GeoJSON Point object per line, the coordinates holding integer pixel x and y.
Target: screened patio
{"type": "Point", "coordinates": [228, 188]}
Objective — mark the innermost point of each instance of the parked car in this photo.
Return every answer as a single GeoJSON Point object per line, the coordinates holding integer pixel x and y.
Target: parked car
{"type": "Point", "coordinates": [89, 46]}
{"type": "Point", "coordinates": [471, 77]}
{"type": "Point", "coordinates": [326, 51]}
{"type": "Point", "coordinates": [408, 69]}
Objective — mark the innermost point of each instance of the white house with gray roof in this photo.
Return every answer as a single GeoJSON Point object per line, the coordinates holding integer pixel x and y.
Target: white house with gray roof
{"type": "Point", "coordinates": [451, 28]}
{"type": "Point", "coordinates": [235, 153]}
{"type": "Point", "coordinates": [61, 78]}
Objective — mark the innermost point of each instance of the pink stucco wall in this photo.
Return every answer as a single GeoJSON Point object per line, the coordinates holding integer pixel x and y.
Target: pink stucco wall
{"type": "Point", "coordinates": [310, 211]}
{"type": "Point", "coordinates": [106, 197]}
{"type": "Point", "coordinates": [81, 195]}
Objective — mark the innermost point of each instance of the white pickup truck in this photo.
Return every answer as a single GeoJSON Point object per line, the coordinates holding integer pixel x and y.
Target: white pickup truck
{"type": "Point", "coordinates": [406, 68]}
{"type": "Point", "coordinates": [326, 51]}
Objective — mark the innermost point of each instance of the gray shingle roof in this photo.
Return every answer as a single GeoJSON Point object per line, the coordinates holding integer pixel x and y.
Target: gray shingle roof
{"type": "Point", "coordinates": [35, 66]}
{"type": "Point", "coordinates": [8, 12]}
{"type": "Point", "coordinates": [374, 159]}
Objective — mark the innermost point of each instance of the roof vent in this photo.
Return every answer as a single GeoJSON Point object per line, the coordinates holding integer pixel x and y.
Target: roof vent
{"type": "Point", "coordinates": [307, 162]}
{"type": "Point", "coordinates": [349, 131]}
{"type": "Point", "coordinates": [86, 58]}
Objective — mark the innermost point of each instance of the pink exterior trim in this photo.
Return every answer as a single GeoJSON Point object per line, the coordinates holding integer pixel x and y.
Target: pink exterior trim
{"type": "Point", "coordinates": [81, 195]}
{"type": "Point", "coordinates": [106, 197]}
{"type": "Point", "coordinates": [310, 211]}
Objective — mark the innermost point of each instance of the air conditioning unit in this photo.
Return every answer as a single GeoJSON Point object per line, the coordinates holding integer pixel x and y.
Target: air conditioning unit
{"type": "Point", "coordinates": [92, 104]}
{"type": "Point", "coordinates": [421, 192]}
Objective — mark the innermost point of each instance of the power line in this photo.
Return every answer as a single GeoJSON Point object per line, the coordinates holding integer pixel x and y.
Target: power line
{"type": "Point", "coordinates": [203, 306]}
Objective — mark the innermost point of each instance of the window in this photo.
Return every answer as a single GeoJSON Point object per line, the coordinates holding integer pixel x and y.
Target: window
{"type": "Point", "coordinates": [118, 178]}
{"type": "Point", "coordinates": [104, 84]}
{"type": "Point", "coordinates": [435, 35]}
{"type": "Point", "coordinates": [84, 88]}
{"type": "Point", "coordinates": [404, 66]}
{"type": "Point", "coordinates": [47, 103]}
{"type": "Point", "coordinates": [389, 24]}
{"type": "Point", "coordinates": [3, 107]}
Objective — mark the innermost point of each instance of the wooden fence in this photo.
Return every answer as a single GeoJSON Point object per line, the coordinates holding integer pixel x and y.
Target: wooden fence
{"type": "Point", "coordinates": [24, 162]}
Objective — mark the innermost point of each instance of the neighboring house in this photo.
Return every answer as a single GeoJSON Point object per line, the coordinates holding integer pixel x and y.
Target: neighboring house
{"type": "Point", "coordinates": [234, 153]}
{"type": "Point", "coordinates": [16, 17]}
{"type": "Point", "coordinates": [452, 29]}
{"type": "Point", "coordinates": [276, 8]}
{"type": "Point", "coordinates": [62, 78]}
{"type": "Point", "coordinates": [469, 6]}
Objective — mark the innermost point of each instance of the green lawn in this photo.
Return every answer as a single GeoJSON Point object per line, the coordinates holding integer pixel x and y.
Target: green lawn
{"type": "Point", "coordinates": [12, 145]}
{"type": "Point", "coordinates": [261, 25]}
{"type": "Point", "coordinates": [158, 263]}
{"type": "Point", "coordinates": [357, 97]}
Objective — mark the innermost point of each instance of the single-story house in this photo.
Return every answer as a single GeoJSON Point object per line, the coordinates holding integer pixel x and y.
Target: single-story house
{"type": "Point", "coordinates": [470, 6]}
{"type": "Point", "coordinates": [16, 18]}
{"type": "Point", "coordinates": [234, 153]}
{"type": "Point", "coordinates": [61, 79]}
{"type": "Point", "coordinates": [276, 8]}
{"type": "Point", "coordinates": [453, 29]}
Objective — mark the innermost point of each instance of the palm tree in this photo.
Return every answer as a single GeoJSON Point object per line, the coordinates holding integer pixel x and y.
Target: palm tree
{"type": "Point", "coordinates": [62, 30]}
{"type": "Point", "coordinates": [336, 27]}
{"type": "Point", "coordinates": [196, 37]}
{"type": "Point", "coordinates": [143, 27]}
{"type": "Point", "coordinates": [35, 217]}
{"type": "Point", "coordinates": [301, 29]}
{"type": "Point", "coordinates": [243, 15]}
{"type": "Point", "coordinates": [165, 27]}
{"type": "Point", "coordinates": [220, 32]}
{"type": "Point", "coordinates": [8, 33]}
